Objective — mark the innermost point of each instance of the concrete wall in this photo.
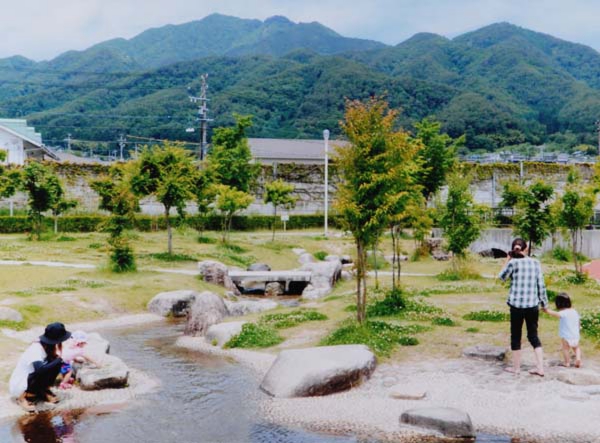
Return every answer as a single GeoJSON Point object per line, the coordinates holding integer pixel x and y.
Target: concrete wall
{"type": "Point", "coordinates": [14, 146]}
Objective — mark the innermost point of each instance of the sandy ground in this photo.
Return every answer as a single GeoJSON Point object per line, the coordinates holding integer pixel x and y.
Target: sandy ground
{"type": "Point", "coordinates": [527, 406]}
{"type": "Point", "coordinates": [139, 383]}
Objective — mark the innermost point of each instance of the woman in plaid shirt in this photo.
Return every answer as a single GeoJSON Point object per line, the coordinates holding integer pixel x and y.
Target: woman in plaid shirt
{"type": "Point", "coordinates": [527, 293]}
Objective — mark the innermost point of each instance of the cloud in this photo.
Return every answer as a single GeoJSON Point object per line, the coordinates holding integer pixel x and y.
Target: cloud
{"type": "Point", "coordinates": [42, 29]}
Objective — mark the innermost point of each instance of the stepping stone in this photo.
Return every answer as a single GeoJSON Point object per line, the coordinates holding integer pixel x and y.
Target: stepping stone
{"type": "Point", "coordinates": [579, 377]}
{"type": "Point", "coordinates": [449, 422]}
{"type": "Point", "coordinates": [404, 392]}
{"type": "Point", "coordinates": [485, 352]}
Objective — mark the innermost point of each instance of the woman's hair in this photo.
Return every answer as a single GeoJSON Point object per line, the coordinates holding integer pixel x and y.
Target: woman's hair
{"type": "Point", "coordinates": [563, 301]}
{"type": "Point", "coordinates": [50, 350]}
{"type": "Point", "coordinates": [518, 248]}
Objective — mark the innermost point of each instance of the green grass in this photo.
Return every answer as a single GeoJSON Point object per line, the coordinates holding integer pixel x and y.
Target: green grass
{"type": "Point", "coordinates": [472, 330]}
{"type": "Point", "coordinates": [491, 316]}
{"type": "Point", "coordinates": [16, 325]}
{"type": "Point", "coordinates": [380, 337]}
{"type": "Point", "coordinates": [255, 335]}
{"type": "Point", "coordinates": [443, 321]}
{"type": "Point", "coordinates": [291, 319]}
{"type": "Point", "coordinates": [320, 255]}
{"type": "Point", "coordinates": [206, 240]}
{"type": "Point", "coordinates": [165, 256]}
{"type": "Point", "coordinates": [590, 324]}
{"type": "Point", "coordinates": [458, 275]}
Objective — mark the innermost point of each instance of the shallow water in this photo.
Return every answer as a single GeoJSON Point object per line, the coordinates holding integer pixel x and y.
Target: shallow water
{"type": "Point", "coordinates": [202, 399]}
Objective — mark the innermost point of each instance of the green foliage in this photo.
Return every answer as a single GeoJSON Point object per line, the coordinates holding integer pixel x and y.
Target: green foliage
{"type": "Point", "coordinates": [279, 194]}
{"type": "Point", "coordinates": [206, 240]}
{"type": "Point", "coordinates": [164, 256]}
{"type": "Point", "coordinates": [121, 256]}
{"type": "Point", "coordinates": [229, 201]}
{"type": "Point", "coordinates": [443, 321]}
{"type": "Point", "coordinates": [291, 319]}
{"type": "Point", "coordinates": [380, 337]}
{"type": "Point", "coordinates": [561, 254]}
{"type": "Point", "coordinates": [320, 255]}
{"type": "Point", "coordinates": [17, 326]}
{"type": "Point", "coordinates": [460, 218]}
{"type": "Point", "coordinates": [472, 330]}
{"type": "Point", "coordinates": [458, 273]}
{"type": "Point", "coordinates": [486, 315]}
{"type": "Point", "coordinates": [590, 324]}
{"type": "Point", "coordinates": [255, 336]}
{"type": "Point", "coordinates": [392, 304]}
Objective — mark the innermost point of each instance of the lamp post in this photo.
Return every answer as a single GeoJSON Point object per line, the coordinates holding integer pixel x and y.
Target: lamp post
{"type": "Point", "coordinates": [326, 138]}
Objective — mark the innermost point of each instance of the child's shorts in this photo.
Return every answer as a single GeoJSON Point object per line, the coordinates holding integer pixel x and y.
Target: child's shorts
{"type": "Point", "coordinates": [66, 367]}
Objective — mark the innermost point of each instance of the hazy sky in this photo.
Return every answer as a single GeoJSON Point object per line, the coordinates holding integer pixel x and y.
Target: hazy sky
{"type": "Point", "coordinates": [42, 29]}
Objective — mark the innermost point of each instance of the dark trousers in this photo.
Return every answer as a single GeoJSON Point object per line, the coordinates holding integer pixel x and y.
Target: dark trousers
{"type": "Point", "coordinates": [530, 316]}
{"type": "Point", "coordinates": [43, 376]}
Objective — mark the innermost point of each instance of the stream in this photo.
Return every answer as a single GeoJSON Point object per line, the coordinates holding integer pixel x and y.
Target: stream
{"type": "Point", "coordinates": [202, 399]}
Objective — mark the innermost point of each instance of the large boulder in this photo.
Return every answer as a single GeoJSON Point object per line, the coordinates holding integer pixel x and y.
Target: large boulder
{"type": "Point", "coordinates": [173, 303]}
{"type": "Point", "coordinates": [306, 258]}
{"type": "Point", "coordinates": [450, 422]}
{"type": "Point", "coordinates": [221, 333]}
{"type": "Point", "coordinates": [324, 275]}
{"type": "Point", "coordinates": [318, 371]}
{"type": "Point", "coordinates": [217, 273]}
{"type": "Point", "coordinates": [206, 310]}
{"type": "Point", "coordinates": [112, 373]}
{"type": "Point", "coordinates": [9, 314]}
{"type": "Point", "coordinates": [249, 306]}
{"type": "Point", "coordinates": [97, 346]}
{"type": "Point", "coordinates": [485, 352]}
{"type": "Point", "coordinates": [259, 267]}
{"type": "Point", "coordinates": [273, 289]}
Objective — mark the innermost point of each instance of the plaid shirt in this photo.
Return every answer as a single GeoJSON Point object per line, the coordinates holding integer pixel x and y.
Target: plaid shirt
{"type": "Point", "coordinates": [527, 288]}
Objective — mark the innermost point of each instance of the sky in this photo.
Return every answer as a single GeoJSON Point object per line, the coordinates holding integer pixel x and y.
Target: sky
{"type": "Point", "coordinates": [43, 29]}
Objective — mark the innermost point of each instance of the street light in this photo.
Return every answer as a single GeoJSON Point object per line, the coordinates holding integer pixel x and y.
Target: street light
{"type": "Point", "coordinates": [326, 138]}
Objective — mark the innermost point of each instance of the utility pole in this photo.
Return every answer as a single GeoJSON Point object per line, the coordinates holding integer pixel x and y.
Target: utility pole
{"type": "Point", "coordinates": [68, 140]}
{"type": "Point", "coordinates": [202, 114]}
{"type": "Point", "coordinates": [122, 143]}
{"type": "Point", "coordinates": [598, 129]}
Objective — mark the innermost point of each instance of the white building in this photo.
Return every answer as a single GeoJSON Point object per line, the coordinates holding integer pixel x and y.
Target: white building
{"type": "Point", "coordinates": [22, 142]}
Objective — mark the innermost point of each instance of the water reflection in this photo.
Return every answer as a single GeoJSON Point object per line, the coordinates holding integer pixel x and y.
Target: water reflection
{"type": "Point", "coordinates": [49, 428]}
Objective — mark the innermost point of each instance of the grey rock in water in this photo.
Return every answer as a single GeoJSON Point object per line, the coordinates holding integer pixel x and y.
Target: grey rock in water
{"type": "Point", "coordinates": [112, 374]}
{"type": "Point", "coordinates": [324, 275]}
{"type": "Point", "coordinates": [274, 289]}
{"type": "Point", "coordinates": [249, 306]}
{"type": "Point", "coordinates": [206, 310]}
{"type": "Point", "coordinates": [259, 267]}
{"type": "Point", "coordinates": [97, 346]}
{"type": "Point", "coordinates": [218, 274]}
{"type": "Point", "coordinates": [318, 371]}
{"type": "Point", "coordinates": [486, 352]}
{"type": "Point", "coordinates": [174, 303]}
{"type": "Point", "coordinates": [9, 314]}
{"type": "Point", "coordinates": [450, 422]}
{"type": "Point", "coordinates": [221, 333]}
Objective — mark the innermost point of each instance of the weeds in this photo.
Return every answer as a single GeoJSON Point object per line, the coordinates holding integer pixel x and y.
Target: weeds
{"type": "Point", "coordinates": [255, 335]}
{"type": "Point", "coordinates": [492, 316]}
{"type": "Point", "coordinates": [291, 319]}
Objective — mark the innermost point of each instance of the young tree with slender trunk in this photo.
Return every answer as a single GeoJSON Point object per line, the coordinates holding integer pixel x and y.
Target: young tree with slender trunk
{"type": "Point", "coordinates": [279, 193]}
{"type": "Point", "coordinates": [229, 201]}
{"type": "Point", "coordinates": [41, 186]}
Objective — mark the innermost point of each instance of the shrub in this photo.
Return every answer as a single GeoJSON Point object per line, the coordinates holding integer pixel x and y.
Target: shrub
{"type": "Point", "coordinates": [551, 294]}
{"type": "Point", "coordinates": [493, 316]}
{"type": "Point", "coordinates": [206, 240]}
{"type": "Point", "coordinates": [392, 304]}
{"type": "Point", "coordinates": [472, 330]}
{"type": "Point", "coordinates": [380, 337]}
{"type": "Point", "coordinates": [290, 319]}
{"type": "Point", "coordinates": [121, 257]}
{"type": "Point", "coordinates": [561, 254]}
{"type": "Point", "coordinates": [443, 321]}
{"type": "Point", "coordinates": [320, 255]}
{"type": "Point", "coordinates": [590, 324]}
{"type": "Point", "coordinates": [255, 336]}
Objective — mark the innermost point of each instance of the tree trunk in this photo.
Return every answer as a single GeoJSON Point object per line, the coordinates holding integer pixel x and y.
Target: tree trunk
{"type": "Point", "coordinates": [56, 224]}
{"type": "Point", "coordinates": [229, 225]}
{"type": "Point", "coordinates": [375, 244]}
{"type": "Point", "coordinates": [393, 234]}
{"type": "Point", "coordinates": [169, 232]}
{"type": "Point", "coordinates": [397, 254]}
{"type": "Point", "coordinates": [274, 221]}
{"type": "Point", "coordinates": [574, 249]}
{"type": "Point", "coordinates": [360, 276]}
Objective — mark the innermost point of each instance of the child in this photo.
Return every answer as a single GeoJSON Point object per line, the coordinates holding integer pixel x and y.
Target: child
{"type": "Point", "coordinates": [568, 328]}
{"type": "Point", "coordinates": [73, 352]}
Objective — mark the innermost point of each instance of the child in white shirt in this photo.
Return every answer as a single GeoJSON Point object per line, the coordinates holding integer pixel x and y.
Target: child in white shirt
{"type": "Point", "coordinates": [568, 328]}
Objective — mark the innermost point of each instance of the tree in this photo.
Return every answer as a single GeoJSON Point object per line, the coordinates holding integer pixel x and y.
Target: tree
{"type": "Point", "coordinates": [438, 155]}
{"type": "Point", "coordinates": [368, 195]}
{"type": "Point", "coordinates": [10, 179]}
{"type": "Point", "coordinates": [577, 208]}
{"type": "Point", "coordinates": [40, 184]}
{"type": "Point", "coordinates": [168, 174]}
{"type": "Point", "coordinates": [279, 193]}
{"type": "Point", "coordinates": [204, 192]}
{"type": "Point", "coordinates": [532, 210]}
{"type": "Point", "coordinates": [229, 201]}
{"type": "Point", "coordinates": [117, 197]}
{"type": "Point", "coordinates": [60, 204]}
{"type": "Point", "coordinates": [460, 217]}
{"type": "Point", "coordinates": [230, 156]}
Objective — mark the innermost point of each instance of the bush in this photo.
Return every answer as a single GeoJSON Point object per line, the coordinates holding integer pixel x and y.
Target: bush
{"type": "Point", "coordinates": [561, 254]}
{"type": "Point", "coordinates": [380, 337]}
{"type": "Point", "coordinates": [320, 255]}
{"type": "Point", "coordinates": [206, 240]}
{"type": "Point", "coordinates": [255, 336]}
{"type": "Point", "coordinates": [493, 316]}
{"type": "Point", "coordinates": [472, 330]}
{"type": "Point", "coordinates": [121, 257]}
{"type": "Point", "coordinates": [392, 304]}
{"type": "Point", "coordinates": [291, 319]}
{"type": "Point", "coordinates": [443, 321]}
{"type": "Point", "coordinates": [590, 324]}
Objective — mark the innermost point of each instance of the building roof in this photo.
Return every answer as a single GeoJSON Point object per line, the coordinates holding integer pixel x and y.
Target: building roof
{"type": "Point", "coordinates": [19, 128]}
{"type": "Point", "coordinates": [291, 150]}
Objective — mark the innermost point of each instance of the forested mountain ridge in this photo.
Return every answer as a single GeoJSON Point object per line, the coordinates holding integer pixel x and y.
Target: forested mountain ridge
{"type": "Point", "coordinates": [501, 85]}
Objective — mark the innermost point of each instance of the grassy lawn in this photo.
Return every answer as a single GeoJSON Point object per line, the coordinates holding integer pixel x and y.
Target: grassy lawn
{"type": "Point", "coordinates": [44, 294]}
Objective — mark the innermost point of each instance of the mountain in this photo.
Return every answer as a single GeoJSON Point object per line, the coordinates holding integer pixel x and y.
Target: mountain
{"type": "Point", "coordinates": [501, 85]}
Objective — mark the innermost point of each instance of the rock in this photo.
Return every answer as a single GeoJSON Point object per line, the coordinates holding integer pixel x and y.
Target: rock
{"type": "Point", "coordinates": [298, 251]}
{"type": "Point", "coordinates": [249, 306]}
{"type": "Point", "coordinates": [345, 275]}
{"type": "Point", "coordinates": [581, 377]}
{"type": "Point", "coordinates": [318, 371]}
{"type": "Point", "coordinates": [221, 333]}
{"type": "Point", "coordinates": [404, 392]}
{"type": "Point", "coordinates": [390, 258]}
{"type": "Point", "coordinates": [206, 310]}
{"type": "Point", "coordinates": [97, 345]}
{"type": "Point", "coordinates": [112, 374]}
{"type": "Point", "coordinates": [175, 303]}
{"type": "Point", "coordinates": [259, 267]}
{"type": "Point", "coordinates": [346, 259]}
{"type": "Point", "coordinates": [485, 352]}
{"type": "Point", "coordinates": [8, 314]}
{"type": "Point", "coordinates": [441, 256]}
{"type": "Point", "coordinates": [450, 422]}
{"type": "Point", "coordinates": [274, 289]}
{"type": "Point", "coordinates": [332, 258]}
{"type": "Point", "coordinates": [323, 276]}
{"type": "Point", "coordinates": [306, 258]}
{"type": "Point", "coordinates": [217, 273]}
{"type": "Point", "coordinates": [389, 381]}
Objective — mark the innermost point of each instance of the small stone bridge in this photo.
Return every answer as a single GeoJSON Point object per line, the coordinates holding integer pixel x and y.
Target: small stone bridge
{"type": "Point", "coordinates": [294, 280]}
